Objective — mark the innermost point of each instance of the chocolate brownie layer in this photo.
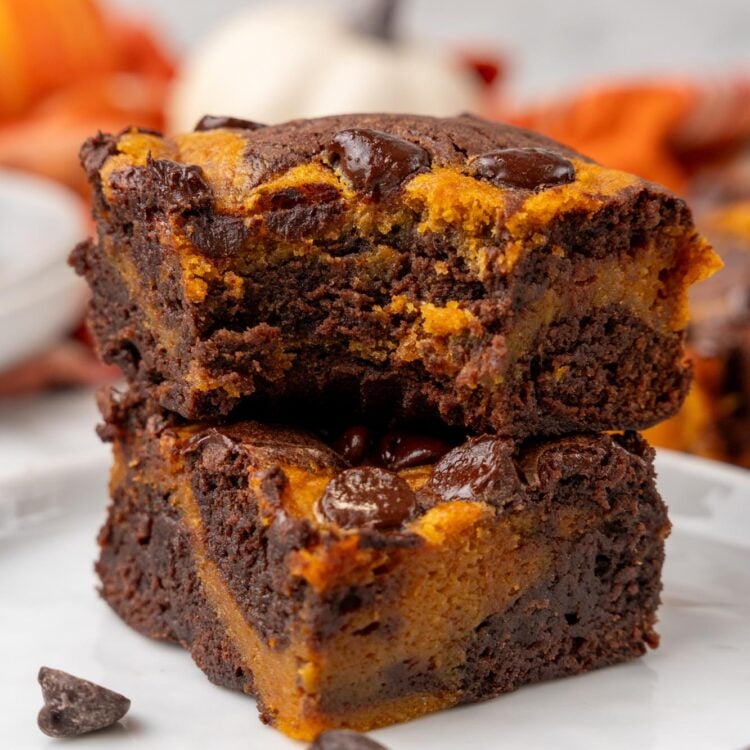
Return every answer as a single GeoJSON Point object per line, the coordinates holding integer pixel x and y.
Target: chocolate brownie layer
{"type": "Point", "coordinates": [399, 267]}
{"type": "Point", "coordinates": [295, 576]}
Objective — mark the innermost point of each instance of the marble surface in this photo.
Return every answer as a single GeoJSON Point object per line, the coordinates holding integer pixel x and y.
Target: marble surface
{"type": "Point", "coordinates": [46, 434]}
{"type": "Point", "coordinates": [690, 694]}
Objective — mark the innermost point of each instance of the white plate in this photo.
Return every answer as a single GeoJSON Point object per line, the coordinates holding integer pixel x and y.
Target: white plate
{"type": "Point", "coordinates": [40, 296]}
{"type": "Point", "coordinates": [692, 693]}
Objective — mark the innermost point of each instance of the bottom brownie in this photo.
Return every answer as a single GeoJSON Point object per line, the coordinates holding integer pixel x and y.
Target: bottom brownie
{"type": "Point", "coordinates": [448, 581]}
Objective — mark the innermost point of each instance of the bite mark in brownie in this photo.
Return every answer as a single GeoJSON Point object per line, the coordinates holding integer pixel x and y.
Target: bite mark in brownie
{"type": "Point", "coordinates": [255, 266]}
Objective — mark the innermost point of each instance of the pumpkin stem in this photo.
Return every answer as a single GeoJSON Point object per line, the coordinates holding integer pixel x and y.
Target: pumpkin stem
{"type": "Point", "coordinates": [380, 20]}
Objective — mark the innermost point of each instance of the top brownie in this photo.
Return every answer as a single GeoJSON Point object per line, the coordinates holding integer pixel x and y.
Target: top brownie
{"type": "Point", "coordinates": [392, 266]}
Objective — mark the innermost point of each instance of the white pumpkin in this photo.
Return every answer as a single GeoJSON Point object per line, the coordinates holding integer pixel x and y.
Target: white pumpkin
{"type": "Point", "coordinates": [280, 62]}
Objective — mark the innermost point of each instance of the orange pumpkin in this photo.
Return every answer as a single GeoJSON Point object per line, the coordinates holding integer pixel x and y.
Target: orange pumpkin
{"type": "Point", "coordinates": [67, 70]}
{"type": "Point", "coordinates": [47, 141]}
{"type": "Point", "coordinates": [46, 43]}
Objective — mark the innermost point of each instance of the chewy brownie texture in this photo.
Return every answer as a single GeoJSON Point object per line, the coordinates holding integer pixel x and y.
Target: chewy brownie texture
{"type": "Point", "coordinates": [357, 582]}
{"type": "Point", "coordinates": [396, 267]}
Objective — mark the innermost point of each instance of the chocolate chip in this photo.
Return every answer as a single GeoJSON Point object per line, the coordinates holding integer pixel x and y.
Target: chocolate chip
{"type": "Point", "coordinates": [375, 163]}
{"type": "Point", "coordinates": [73, 706]}
{"type": "Point", "coordinates": [344, 739]}
{"type": "Point", "coordinates": [217, 235]}
{"type": "Point", "coordinates": [213, 448]}
{"type": "Point", "coordinates": [528, 463]}
{"type": "Point", "coordinates": [213, 122]}
{"type": "Point", "coordinates": [352, 445]}
{"type": "Point", "coordinates": [303, 211]}
{"type": "Point", "coordinates": [481, 470]}
{"type": "Point", "coordinates": [367, 497]}
{"type": "Point", "coordinates": [399, 450]}
{"type": "Point", "coordinates": [525, 168]}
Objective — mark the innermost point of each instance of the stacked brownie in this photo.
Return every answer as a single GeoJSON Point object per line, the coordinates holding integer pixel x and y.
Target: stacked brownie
{"type": "Point", "coordinates": [376, 457]}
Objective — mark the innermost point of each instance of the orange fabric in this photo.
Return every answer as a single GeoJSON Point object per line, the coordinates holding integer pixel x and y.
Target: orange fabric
{"type": "Point", "coordinates": [668, 131]}
{"type": "Point", "coordinates": [630, 127]}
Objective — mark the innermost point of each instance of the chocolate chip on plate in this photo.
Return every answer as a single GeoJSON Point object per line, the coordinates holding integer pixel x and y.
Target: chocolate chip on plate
{"type": "Point", "coordinates": [525, 168]}
{"type": "Point", "coordinates": [73, 706]}
{"type": "Point", "coordinates": [345, 739]}
{"type": "Point", "coordinates": [213, 122]}
{"type": "Point", "coordinates": [367, 497]}
{"type": "Point", "coordinates": [375, 163]}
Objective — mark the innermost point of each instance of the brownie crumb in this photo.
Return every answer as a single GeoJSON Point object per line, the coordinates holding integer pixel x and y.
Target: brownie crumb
{"type": "Point", "coordinates": [73, 706]}
{"type": "Point", "coordinates": [345, 739]}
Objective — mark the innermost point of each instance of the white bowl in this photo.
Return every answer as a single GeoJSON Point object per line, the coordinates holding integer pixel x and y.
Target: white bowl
{"type": "Point", "coordinates": [41, 221]}
{"type": "Point", "coordinates": [40, 297]}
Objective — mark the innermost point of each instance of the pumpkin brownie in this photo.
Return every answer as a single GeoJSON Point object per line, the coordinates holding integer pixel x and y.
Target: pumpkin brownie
{"type": "Point", "coordinates": [715, 419]}
{"type": "Point", "coordinates": [397, 266]}
{"type": "Point", "coordinates": [357, 595]}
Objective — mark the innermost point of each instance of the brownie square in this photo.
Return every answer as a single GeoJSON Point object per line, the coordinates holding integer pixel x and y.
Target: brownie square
{"type": "Point", "coordinates": [397, 267]}
{"type": "Point", "coordinates": [345, 594]}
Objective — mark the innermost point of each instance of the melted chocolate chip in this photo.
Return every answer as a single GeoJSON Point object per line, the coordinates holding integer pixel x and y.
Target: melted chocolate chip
{"type": "Point", "coordinates": [525, 168]}
{"type": "Point", "coordinates": [367, 497]}
{"type": "Point", "coordinates": [183, 185]}
{"type": "Point", "coordinates": [481, 469]}
{"type": "Point", "coordinates": [345, 739]}
{"type": "Point", "coordinates": [353, 444]}
{"type": "Point", "coordinates": [213, 447]}
{"type": "Point", "coordinates": [214, 122]}
{"type": "Point", "coordinates": [375, 163]}
{"type": "Point", "coordinates": [400, 450]}
{"type": "Point", "coordinates": [297, 212]}
{"type": "Point", "coordinates": [529, 463]}
{"type": "Point", "coordinates": [217, 235]}
{"type": "Point", "coordinates": [73, 706]}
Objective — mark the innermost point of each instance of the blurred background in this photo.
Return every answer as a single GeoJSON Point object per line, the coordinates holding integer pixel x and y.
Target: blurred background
{"type": "Point", "coordinates": [656, 87]}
